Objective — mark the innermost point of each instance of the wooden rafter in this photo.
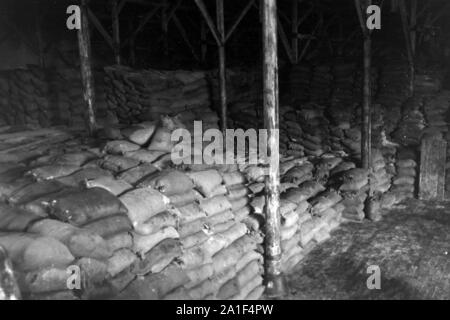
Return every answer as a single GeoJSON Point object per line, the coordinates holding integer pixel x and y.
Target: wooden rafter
{"type": "Point", "coordinates": [98, 25]}
{"type": "Point", "coordinates": [141, 25]}
{"type": "Point", "coordinates": [183, 34]}
{"type": "Point", "coordinates": [239, 19]}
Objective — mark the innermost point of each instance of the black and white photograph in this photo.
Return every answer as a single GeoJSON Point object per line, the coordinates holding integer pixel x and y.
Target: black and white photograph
{"type": "Point", "coordinates": [256, 153]}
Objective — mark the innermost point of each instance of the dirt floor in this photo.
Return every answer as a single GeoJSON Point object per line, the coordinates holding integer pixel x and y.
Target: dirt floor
{"type": "Point", "coordinates": [411, 246]}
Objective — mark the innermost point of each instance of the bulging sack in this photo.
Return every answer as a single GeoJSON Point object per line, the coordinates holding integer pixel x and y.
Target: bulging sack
{"type": "Point", "coordinates": [81, 242]}
{"type": "Point", "coordinates": [206, 181]}
{"type": "Point", "coordinates": [81, 207]}
{"type": "Point", "coordinates": [119, 147]}
{"type": "Point", "coordinates": [34, 190]}
{"type": "Point", "coordinates": [143, 203]}
{"type": "Point", "coordinates": [15, 219]}
{"type": "Point", "coordinates": [139, 134]}
{"type": "Point", "coordinates": [143, 244]}
{"type": "Point", "coordinates": [169, 182]}
{"type": "Point", "coordinates": [114, 186]}
{"type": "Point", "coordinates": [109, 226]}
{"type": "Point", "coordinates": [53, 171]}
{"type": "Point", "coordinates": [161, 140]}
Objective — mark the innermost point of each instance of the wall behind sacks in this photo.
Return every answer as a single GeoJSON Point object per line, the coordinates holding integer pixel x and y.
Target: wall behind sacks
{"type": "Point", "coordinates": [139, 95]}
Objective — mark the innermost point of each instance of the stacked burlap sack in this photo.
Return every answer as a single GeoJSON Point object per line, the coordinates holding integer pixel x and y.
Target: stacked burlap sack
{"type": "Point", "coordinates": [428, 80]}
{"type": "Point", "coordinates": [343, 76]}
{"type": "Point", "coordinates": [140, 95]}
{"type": "Point", "coordinates": [393, 91]}
{"type": "Point", "coordinates": [28, 96]}
{"type": "Point", "coordinates": [404, 182]}
{"type": "Point", "coordinates": [314, 127]}
{"type": "Point", "coordinates": [410, 127]}
{"type": "Point", "coordinates": [299, 82]}
{"type": "Point", "coordinates": [353, 186]}
{"type": "Point", "coordinates": [352, 142]}
{"type": "Point", "coordinates": [436, 113]}
{"type": "Point", "coordinates": [6, 112]}
{"type": "Point", "coordinates": [195, 229]}
{"type": "Point", "coordinates": [66, 96]}
{"type": "Point", "coordinates": [246, 115]}
{"type": "Point", "coordinates": [243, 85]}
{"type": "Point", "coordinates": [321, 84]}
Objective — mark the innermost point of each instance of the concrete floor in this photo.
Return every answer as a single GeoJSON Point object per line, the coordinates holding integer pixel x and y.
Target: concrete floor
{"type": "Point", "coordinates": [411, 246]}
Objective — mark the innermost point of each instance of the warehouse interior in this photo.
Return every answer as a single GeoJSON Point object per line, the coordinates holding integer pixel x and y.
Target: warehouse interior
{"type": "Point", "coordinates": [351, 202]}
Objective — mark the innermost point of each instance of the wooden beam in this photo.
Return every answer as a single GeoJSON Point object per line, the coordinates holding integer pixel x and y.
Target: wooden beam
{"type": "Point", "coordinates": [172, 11]}
{"type": "Point", "coordinates": [239, 19]}
{"type": "Point", "coordinates": [39, 40]}
{"type": "Point", "coordinates": [84, 45]}
{"type": "Point", "coordinates": [132, 51]}
{"type": "Point", "coordinates": [220, 15]}
{"type": "Point", "coordinates": [204, 45]}
{"type": "Point", "coordinates": [100, 28]}
{"type": "Point", "coordinates": [274, 283]}
{"type": "Point", "coordinates": [285, 41]}
{"type": "Point", "coordinates": [308, 42]}
{"type": "Point", "coordinates": [141, 25]}
{"type": "Point", "coordinates": [200, 4]}
{"type": "Point", "coordinates": [406, 32]}
{"type": "Point", "coordinates": [116, 30]}
{"type": "Point", "coordinates": [366, 143]}
{"type": "Point", "coordinates": [294, 30]}
{"type": "Point", "coordinates": [305, 16]}
{"type": "Point", "coordinates": [184, 35]}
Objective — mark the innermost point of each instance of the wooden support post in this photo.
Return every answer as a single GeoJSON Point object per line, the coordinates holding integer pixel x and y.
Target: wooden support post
{"type": "Point", "coordinates": [116, 30]}
{"type": "Point", "coordinates": [294, 31]}
{"type": "Point", "coordinates": [270, 78]}
{"type": "Point", "coordinates": [366, 145]}
{"type": "Point", "coordinates": [184, 35]}
{"type": "Point", "coordinates": [222, 71]}
{"type": "Point", "coordinates": [239, 19]}
{"type": "Point", "coordinates": [84, 45]}
{"type": "Point", "coordinates": [409, 50]}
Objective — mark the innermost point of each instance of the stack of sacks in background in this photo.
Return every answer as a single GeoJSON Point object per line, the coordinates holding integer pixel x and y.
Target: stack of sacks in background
{"type": "Point", "coordinates": [28, 97]}
{"type": "Point", "coordinates": [428, 81]}
{"type": "Point", "coordinates": [341, 106]}
{"type": "Point", "coordinates": [242, 86]}
{"type": "Point", "coordinates": [314, 127]}
{"type": "Point", "coordinates": [393, 91]}
{"type": "Point", "coordinates": [246, 115]}
{"type": "Point", "coordinates": [149, 94]}
{"type": "Point", "coordinates": [299, 82]}
{"type": "Point", "coordinates": [147, 142]}
{"type": "Point", "coordinates": [447, 166]}
{"type": "Point", "coordinates": [380, 183]}
{"type": "Point", "coordinates": [66, 96]}
{"type": "Point", "coordinates": [321, 84]}
{"type": "Point", "coordinates": [436, 113]}
{"type": "Point", "coordinates": [409, 131]}
{"type": "Point", "coordinates": [293, 131]}
{"type": "Point", "coordinates": [353, 186]}
{"type": "Point", "coordinates": [6, 112]}
{"type": "Point", "coordinates": [404, 182]}
{"type": "Point", "coordinates": [359, 83]}
{"type": "Point", "coordinates": [352, 142]}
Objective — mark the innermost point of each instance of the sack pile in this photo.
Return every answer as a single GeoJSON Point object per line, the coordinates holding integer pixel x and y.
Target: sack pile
{"type": "Point", "coordinates": [66, 96]}
{"type": "Point", "coordinates": [7, 114]}
{"type": "Point", "coordinates": [352, 142]}
{"type": "Point", "coordinates": [404, 182]}
{"type": "Point", "coordinates": [436, 113]}
{"type": "Point", "coordinates": [137, 96]}
{"type": "Point", "coordinates": [243, 85]}
{"type": "Point", "coordinates": [342, 96]}
{"type": "Point", "coordinates": [393, 91]}
{"type": "Point", "coordinates": [299, 83]}
{"type": "Point", "coordinates": [321, 84]}
{"type": "Point", "coordinates": [28, 97]}
{"type": "Point", "coordinates": [353, 188]}
{"type": "Point", "coordinates": [409, 131]}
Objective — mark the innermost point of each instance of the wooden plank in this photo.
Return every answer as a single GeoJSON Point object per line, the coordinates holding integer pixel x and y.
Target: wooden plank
{"type": "Point", "coordinates": [432, 169]}
{"type": "Point", "coordinates": [100, 28]}
{"type": "Point", "coordinates": [270, 97]}
{"type": "Point", "coordinates": [184, 35]}
{"type": "Point", "coordinates": [209, 21]}
{"type": "Point", "coordinates": [222, 76]}
{"type": "Point", "coordinates": [239, 19]}
{"type": "Point", "coordinates": [84, 45]}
